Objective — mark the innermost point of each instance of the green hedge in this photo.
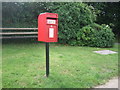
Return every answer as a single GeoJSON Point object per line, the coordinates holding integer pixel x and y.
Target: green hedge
{"type": "Point", "coordinates": [72, 17]}
{"type": "Point", "coordinates": [77, 27]}
{"type": "Point", "coordinates": [95, 35]}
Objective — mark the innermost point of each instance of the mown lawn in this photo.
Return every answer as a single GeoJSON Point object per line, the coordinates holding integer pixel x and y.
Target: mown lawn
{"type": "Point", "coordinates": [23, 65]}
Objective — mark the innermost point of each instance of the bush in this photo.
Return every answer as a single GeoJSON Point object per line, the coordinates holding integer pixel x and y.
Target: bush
{"type": "Point", "coordinates": [85, 36]}
{"type": "Point", "coordinates": [96, 35]}
{"type": "Point", "coordinates": [77, 27]}
{"type": "Point", "coordinates": [72, 17]}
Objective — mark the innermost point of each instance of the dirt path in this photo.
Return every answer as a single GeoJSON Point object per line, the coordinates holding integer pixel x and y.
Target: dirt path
{"type": "Point", "coordinates": [113, 83]}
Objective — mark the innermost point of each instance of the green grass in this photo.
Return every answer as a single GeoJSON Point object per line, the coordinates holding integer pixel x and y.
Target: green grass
{"type": "Point", "coordinates": [23, 66]}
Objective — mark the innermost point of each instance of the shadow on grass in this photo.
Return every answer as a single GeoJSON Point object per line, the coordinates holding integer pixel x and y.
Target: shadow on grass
{"type": "Point", "coordinates": [24, 41]}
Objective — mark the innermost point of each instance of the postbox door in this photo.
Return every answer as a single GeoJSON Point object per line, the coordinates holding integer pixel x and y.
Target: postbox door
{"type": "Point", "coordinates": [52, 32]}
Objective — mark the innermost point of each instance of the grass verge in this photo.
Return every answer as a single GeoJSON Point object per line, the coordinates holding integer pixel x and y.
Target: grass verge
{"type": "Point", "coordinates": [23, 66]}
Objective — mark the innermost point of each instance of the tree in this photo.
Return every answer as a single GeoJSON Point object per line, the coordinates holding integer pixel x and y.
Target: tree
{"type": "Point", "coordinates": [108, 13]}
{"type": "Point", "coordinates": [22, 14]}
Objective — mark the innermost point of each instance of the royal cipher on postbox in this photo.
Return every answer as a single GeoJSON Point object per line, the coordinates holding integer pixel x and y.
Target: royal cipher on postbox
{"type": "Point", "coordinates": [48, 27]}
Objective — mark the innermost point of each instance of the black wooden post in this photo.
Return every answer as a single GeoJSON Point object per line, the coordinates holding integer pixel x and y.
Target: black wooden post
{"type": "Point", "coordinates": [47, 59]}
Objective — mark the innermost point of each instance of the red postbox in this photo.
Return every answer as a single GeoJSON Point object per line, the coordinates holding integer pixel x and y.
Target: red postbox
{"type": "Point", "coordinates": [48, 27]}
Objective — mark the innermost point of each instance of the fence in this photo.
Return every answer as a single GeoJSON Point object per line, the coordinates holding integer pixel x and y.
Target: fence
{"type": "Point", "coordinates": [18, 33]}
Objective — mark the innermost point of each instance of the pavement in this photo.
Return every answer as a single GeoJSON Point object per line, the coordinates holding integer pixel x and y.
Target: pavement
{"type": "Point", "coordinates": [113, 83]}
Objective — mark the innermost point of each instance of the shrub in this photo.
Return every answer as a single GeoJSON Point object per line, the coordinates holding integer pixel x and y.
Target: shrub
{"type": "Point", "coordinates": [77, 27]}
{"type": "Point", "coordinates": [85, 36]}
{"type": "Point", "coordinates": [96, 35]}
{"type": "Point", "coordinates": [104, 37]}
{"type": "Point", "coordinates": [72, 17]}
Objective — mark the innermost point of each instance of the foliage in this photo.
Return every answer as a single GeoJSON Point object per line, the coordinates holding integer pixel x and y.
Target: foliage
{"type": "Point", "coordinates": [72, 17]}
{"type": "Point", "coordinates": [22, 14]}
{"type": "Point", "coordinates": [96, 35]}
{"type": "Point", "coordinates": [108, 13]}
{"type": "Point", "coordinates": [85, 36]}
